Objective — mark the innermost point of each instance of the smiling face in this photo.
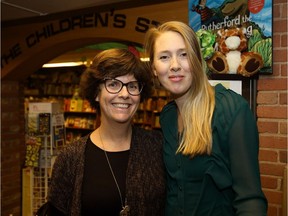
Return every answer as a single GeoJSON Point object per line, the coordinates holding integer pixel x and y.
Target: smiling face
{"type": "Point", "coordinates": [171, 64]}
{"type": "Point", "coordinates": [119, 107]}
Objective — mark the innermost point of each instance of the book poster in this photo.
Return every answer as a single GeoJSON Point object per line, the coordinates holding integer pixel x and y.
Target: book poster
{"type": "Point", "coordinates": [216, 20]}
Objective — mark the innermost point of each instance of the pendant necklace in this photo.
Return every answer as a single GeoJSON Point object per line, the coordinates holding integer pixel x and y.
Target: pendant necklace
{"type": "Point", "coordinates": [125, 209]}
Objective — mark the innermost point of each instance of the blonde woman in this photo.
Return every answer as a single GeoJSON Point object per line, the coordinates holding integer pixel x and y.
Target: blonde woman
{"type": "Point", "coordinates": [210, 133]}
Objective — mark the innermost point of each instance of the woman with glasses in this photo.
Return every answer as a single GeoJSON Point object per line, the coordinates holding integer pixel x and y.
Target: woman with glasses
{"type": "Point", "coordinates": [118, 168]}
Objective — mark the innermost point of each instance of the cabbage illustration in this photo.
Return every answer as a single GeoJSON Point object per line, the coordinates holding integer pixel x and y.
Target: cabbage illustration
{"type": "Point", "coordinates": [207, 40]}
{"type": "Point", "coordinates": [256, 36]}
{"type": "Point", "coordinates": [264, 47]}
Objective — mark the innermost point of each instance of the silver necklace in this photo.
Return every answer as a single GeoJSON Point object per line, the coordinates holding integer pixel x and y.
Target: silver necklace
{"type": "Point", "coordinates": [125, 209]}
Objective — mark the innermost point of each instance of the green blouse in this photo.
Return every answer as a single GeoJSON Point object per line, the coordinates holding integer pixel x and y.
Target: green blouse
{"type": "Point", "coordinates": [227, 182]}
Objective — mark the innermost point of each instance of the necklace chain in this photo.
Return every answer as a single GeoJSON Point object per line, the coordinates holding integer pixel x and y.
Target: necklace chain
{"type": "Point", "coordinates": [111, 170]}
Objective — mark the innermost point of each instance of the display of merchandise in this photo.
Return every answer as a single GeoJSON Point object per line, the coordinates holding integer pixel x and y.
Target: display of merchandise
{"type": "Point", "coordinates": [45, 136]}
{"type": "Point", "coordinates": [56, 82]}
{"type": "Point", "coordinates": [149, 110]}
{"type": "Point", "coordinates": [80, 118]}
{"type": "Point", "coordinates": [33, 145]}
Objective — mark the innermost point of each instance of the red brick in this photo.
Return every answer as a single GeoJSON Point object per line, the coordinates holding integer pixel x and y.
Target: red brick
{"type": "Point", "coordinates": [273, 210]}
{"type": "Point", "coordinates": [278, 112]}
{"type": "Point", "coordinates": [283, 98]}
{"type": "Point", "coordinates": [6, 101]}
{"type": "Point", "coordinates": [8, 117]}
{"type": "Point", "coordinates": [12, 190]}
{"type": "Point", "coordinates": [273, 84]}
{"type": "Point", "coordinates": [274, 197]}
{"type": "Point", "coordinates": [284, 40]}
{"type": "Point", "coordinates": [278, 25]}
{"type": "Point", "coordinates": [276, 11]}
{"type": "Point", "coordinates": [276, 2]}
{"type": "Point", "coordinates": [284, 69]}
{"type": "Point", "coordinates": [274, 142]}
{"type": "Point", "coordinates": [9, 136]}
{"type": "Point", "coordinates": [273, 169]}
{"type": "Point", "coordinates": [283, 127]}
{"type": "Point", "coordinates": [267, 98]}
{"type": "Point", "coordinates": [9, 88]}
{"type": "Point", "coordinates": [284, 12]}
{"type": "Point", "coordinates": [267, 126]}
{"type": "Point", "coordinates": [269, 182]}
{"type": "Point", "coordinates": [279, 55]}
{"type": "Point", "coordinates": [276, 70]}
{"type": "Point", "coordinates": [276, 40]}
{"type": "Point", "coordinates": [268, 155]}
{"type": "Point", "coordinates": [283, 156]}
{"type": "Point", "coordinates": [12, 147]}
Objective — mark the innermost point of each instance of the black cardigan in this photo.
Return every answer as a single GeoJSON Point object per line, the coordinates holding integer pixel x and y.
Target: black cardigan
{"type": "Point", "coordinates": [145, 183]}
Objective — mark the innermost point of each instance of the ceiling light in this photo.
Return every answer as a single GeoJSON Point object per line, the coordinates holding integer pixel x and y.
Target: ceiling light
{"type": "Point", "coordinates": [63, 64]}
{"type": "Point", "coordinates": [145, 59]}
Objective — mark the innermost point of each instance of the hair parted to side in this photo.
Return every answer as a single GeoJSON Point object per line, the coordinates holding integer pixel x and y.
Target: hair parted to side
{"type": "Point", "coordinates": [113, 63]}
{"type": "Point", "coordinates": [197, 112]}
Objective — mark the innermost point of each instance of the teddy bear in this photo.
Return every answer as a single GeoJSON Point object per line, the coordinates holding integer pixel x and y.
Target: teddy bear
{"type": "Point", "coordinates": [231, 55]}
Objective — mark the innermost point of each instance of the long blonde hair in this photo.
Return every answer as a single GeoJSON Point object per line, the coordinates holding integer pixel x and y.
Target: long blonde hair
{"type": "Point", "coordinates": [197, 112]}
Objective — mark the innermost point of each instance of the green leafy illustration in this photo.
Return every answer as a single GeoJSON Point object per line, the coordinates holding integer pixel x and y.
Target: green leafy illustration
{"type": "Point", "coordinates": [207, 40]}
{"type": "Point", "coordinates": [264, 47]}
{"type": "Point", "coordinates": [256, 36]}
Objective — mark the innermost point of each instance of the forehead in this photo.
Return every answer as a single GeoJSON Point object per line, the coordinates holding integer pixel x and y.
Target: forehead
{"type": "Point", "coordinates": [126, 78]}
{"type": "Point", "coordinates": [168, 41]}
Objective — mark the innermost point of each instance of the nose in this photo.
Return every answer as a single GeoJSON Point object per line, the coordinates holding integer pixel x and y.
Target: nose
{"type": "Point", "coordinates": [124, 92]}
{"type": "Point", "coordinates": [174, 65]}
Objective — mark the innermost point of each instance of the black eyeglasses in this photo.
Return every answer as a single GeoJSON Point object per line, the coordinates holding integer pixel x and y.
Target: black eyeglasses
{"type": "Point", "coordinates": [114, 86]}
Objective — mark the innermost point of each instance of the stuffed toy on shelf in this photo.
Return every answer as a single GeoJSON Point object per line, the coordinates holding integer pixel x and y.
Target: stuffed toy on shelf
{"type": "Point", "coordinates": [231, 55]}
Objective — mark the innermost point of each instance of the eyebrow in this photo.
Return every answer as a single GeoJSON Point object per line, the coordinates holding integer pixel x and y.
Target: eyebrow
{"type": "Point", "coordinates": [168, 51]}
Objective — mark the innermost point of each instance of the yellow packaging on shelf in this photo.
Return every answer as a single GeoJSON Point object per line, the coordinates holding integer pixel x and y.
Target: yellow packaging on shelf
{"type": "Point", "coordinates": [73, 105]}
{"type": "Point", "coordinates": [79, 105]}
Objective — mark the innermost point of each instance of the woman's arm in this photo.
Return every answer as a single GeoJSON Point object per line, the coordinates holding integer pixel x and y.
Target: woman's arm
{"type": "Point", "coordinates": [243, 152]}
{"type": "Point", "coordinates": [61, 185]}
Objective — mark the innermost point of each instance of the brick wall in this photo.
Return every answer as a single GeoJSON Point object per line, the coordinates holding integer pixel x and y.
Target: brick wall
{"type": "Point", "coordinates": [12, 147]}
{"type": "Point", "coordinates": [272, 115]}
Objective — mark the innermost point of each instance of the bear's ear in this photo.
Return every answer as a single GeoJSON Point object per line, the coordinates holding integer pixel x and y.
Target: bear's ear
{"type": "Point", "coordinates": [220, 32]}
{"type": "Point", "coordinates": [243, 30]}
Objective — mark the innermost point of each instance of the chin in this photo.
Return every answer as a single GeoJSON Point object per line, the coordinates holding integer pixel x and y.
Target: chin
{"type": "Point", "coordinates": [179, 92]}
{"type": "Point", "coordinates": [123, 119]}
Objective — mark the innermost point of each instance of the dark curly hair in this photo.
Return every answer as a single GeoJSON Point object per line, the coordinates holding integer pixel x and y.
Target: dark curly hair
{"type": "Point", "coordinates": [113, 63]}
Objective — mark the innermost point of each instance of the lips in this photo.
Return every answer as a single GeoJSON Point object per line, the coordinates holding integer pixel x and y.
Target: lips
{"type": "Point", "coordinates": [176, 78]}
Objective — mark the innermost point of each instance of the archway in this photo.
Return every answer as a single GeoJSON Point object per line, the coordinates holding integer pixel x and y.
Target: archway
{"type": "Point", "coordinates": [26, 47]}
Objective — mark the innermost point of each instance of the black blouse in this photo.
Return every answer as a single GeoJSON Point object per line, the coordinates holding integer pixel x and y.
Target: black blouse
{"type": "Point", "coordinates": [100, 195]}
